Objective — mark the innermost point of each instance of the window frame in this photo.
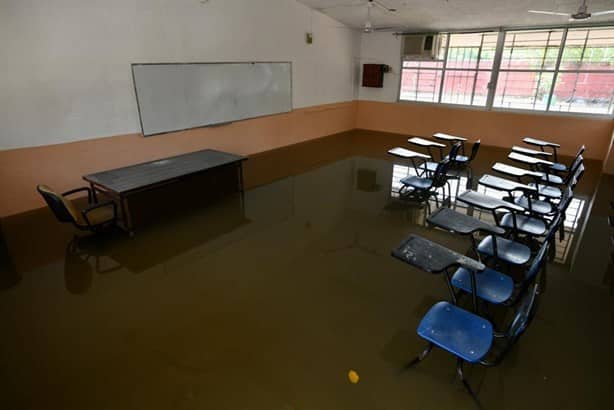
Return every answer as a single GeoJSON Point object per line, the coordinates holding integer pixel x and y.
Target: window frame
{"type": "Point", "coordinates": [496, 69]}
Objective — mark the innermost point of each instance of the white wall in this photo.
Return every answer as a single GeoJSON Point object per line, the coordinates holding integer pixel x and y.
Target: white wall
{"type": "Point", "coordinates": [382, 48]}
{"type": "Point", "coordinates": [65, 64]}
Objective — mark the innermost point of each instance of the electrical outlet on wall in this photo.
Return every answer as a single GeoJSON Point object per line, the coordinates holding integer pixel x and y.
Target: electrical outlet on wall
{"type": "Point", "coordinates": [309, 38]}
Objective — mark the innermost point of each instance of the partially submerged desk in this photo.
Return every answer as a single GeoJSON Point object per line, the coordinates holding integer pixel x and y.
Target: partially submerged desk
{"type": "Point", "coordinates": [529, 160]}
{"type": "Point", "coordinates": [543, 144]}
{"type": "Point", "coordinates": [529, 151]}
{"type": "Point", "coordinates": [204, 172]}
{"type": "Point", "coordinates": [516, 172]}
{"type": "Point", "coordinates": [421, 142]}
{"type": "Point", "coordinates": [408, 154]}
{"type": "Point", "coordinates": [451, 139]}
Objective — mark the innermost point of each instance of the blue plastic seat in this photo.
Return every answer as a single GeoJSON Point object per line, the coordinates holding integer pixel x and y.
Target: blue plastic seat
{"type": "Point", "coordinates": [508, 251]}
{"type": "Point", "coordinates": [491, 285]}
{"type": "Point", "coordinates": [460, 158]}
{"type": "Point", "coordinates": [417, 182]}
{"type": "Point", "coordinates": [430, 166]}
{"type": "Point", "coordinates": [558, 167]}
{"type": "Point", "coordinates": [524, 224]}
{"type": "Point", "coordinates": [537, 206]}
{"type": "Point", "coordinates": [552, 179]}
{"type": "Point", "coordinates": [458, 331]}
{"type": "Point", "coordinates": [548, 191]}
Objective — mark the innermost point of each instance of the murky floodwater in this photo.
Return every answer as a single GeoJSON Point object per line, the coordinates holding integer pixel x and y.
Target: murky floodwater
{"type": "Point", "coordinates": [268, 304]}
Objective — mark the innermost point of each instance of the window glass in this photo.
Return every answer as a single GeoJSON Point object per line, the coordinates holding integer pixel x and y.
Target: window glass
{"type": "Point", "coordinates": [565, 70]}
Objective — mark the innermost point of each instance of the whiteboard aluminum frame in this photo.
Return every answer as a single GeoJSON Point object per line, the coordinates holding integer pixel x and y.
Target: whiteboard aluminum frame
{"type": "Point", "coordinates": [219, 124]}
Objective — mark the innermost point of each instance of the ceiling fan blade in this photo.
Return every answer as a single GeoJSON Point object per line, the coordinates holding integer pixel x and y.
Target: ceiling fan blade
{"type": "Point", "coordinates": [384, 7]}
{"type": "Point", "coordinates": [603, 13]}
{"type": "Point", "coordinates": [551, 13]}
{"type": "Point", "coordinates": [337, 6]}
{"type": "Point", "coordinates": [388, 29]}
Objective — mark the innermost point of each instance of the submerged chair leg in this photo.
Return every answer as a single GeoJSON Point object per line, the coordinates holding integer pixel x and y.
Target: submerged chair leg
{"type": "Point", "coordinates": [469, 184]}
{"type": "Point", "coordinates": [420, 357]}
{"type": "Point", "coordinates": [459, 371]}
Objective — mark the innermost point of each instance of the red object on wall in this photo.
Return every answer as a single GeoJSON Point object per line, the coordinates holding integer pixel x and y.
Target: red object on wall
{"type": "Point", "coordinates": [373, 75]}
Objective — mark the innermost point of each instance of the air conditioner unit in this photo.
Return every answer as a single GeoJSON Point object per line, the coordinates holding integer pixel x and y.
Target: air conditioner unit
{"type": "Point", "coordinates": [421, 46]}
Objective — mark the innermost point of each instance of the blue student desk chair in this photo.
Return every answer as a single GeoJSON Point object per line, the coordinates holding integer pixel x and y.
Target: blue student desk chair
{"type": "Point", "coordinates": [464, 334]}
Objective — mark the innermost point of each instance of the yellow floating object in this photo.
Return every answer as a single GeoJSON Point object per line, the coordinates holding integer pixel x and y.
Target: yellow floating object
{"type": "Point", "coordinates": [353, 377]}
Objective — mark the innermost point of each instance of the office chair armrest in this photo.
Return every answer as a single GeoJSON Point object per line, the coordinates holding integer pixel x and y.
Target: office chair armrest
{"type": "Point", "coordinates": [99, 205]}
{"type": "Point", "coordinates": [82, 189]}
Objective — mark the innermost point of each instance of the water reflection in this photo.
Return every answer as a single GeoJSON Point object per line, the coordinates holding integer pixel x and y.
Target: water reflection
{"type": "Point", "coordinates": [84, 257]}
{"type": "Point", "coordinates": [574, 214]}
{"type": "Point", "coordinates": [9, 276]}
{"type": "Point", "coordinates": [268, 305]}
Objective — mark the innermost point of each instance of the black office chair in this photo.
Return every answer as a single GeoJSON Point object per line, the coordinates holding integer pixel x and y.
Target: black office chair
{"type": "Point", "coordinates": [96, 217]}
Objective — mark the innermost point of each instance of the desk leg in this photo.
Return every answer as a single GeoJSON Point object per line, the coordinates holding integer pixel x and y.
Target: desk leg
{"type": "Point", "coordinates": [241, 186]}
{"type": "Point", "coordinates": [94, 196]}
{"type": "Point", "coordinates": [126, 215]}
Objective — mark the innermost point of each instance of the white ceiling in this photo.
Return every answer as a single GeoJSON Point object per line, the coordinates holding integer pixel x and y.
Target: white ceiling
{"type": "Point", "coordinates": [456, 14]}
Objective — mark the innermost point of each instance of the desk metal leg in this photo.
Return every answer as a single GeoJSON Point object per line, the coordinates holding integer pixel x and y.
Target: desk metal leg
{"type": "Point", "coordinates": [126, 215]}
{"type": "Point", "coordinates": [241, 186]}
{"type": "Point", "coordinates": [94, 196]}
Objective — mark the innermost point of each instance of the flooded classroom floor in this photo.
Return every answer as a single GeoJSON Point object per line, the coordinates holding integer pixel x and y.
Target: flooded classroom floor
{"type": "Point", "coordinates": [268, 302]}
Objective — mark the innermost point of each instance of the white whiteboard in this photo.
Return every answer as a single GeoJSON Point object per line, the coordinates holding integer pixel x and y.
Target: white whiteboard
{"type": "Point", "coordinates": [179, 96]}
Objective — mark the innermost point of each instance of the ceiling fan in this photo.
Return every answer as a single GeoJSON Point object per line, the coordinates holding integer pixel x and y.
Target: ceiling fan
{"type": "Point", "coordinates": [581, 14]}
{"type": "Point", "coordinates": [371, 4]}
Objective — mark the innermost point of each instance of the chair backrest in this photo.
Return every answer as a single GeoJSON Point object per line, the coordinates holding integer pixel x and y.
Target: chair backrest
{"type": "Point", "coordinates": [525, 312]}
{"type": "Point", "coordinates": [475, 149]}
{"type": "Point", "coordinates": [62, 208]}
{"type": "Point", "coordinates": [440, 176]}
{"type": "Point", "coordinates": [581, 151]}
{"type": "Point", "coordinates": [577, 163]}
{"type": "Point", "coordinates": [454, 151]}
{"type": "Point", "coordinates": [555, 224]}
{"type": "Point", "coordinates": [538, 262]}
{"type": "Point", "coordinates": [565, 201]}
{"type": "Point", "coordinates": [575, 178]}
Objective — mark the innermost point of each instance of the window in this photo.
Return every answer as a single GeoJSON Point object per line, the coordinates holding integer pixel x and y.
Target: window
{"type": "Point", "coordinates": [421, 79]}
{"type": "Point", "coordinates": [458, 75]}
{"type": "Point", "coordinates": [469, 63]}
{"type": "Point", "coordinates": [527, 69]}
{"type": "Point", "coordinates": [560, 70]}
{"type": "Point", "coordinates": [585, 81]}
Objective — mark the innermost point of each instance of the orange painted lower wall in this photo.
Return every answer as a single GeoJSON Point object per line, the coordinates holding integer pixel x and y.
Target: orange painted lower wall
{"type": "Point", "coordinates": [501, 129]}
{"type": "Point", "coordinates": [61, 166]}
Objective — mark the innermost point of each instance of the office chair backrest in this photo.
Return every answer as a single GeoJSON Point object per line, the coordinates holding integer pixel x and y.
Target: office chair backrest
{"type": "Point", "coordinates": [475, 149]}
{"type": "Point", "coordinates": [440, 176]}
{"type": "Point", "coordinates": [62, 208]}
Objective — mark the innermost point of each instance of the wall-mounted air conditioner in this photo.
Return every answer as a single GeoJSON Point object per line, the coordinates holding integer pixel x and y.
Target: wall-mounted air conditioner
{"type": "Point", "coordinates": [421, 46]}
